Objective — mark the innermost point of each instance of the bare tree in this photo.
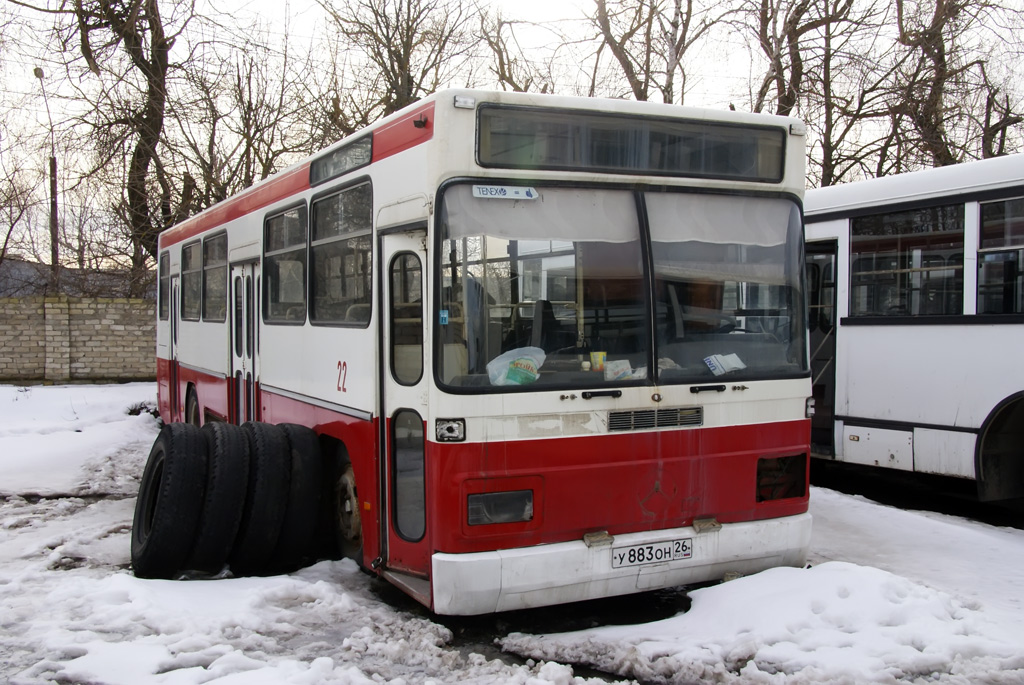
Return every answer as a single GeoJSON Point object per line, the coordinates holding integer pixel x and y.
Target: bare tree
{"type": "Point", "coordinates": [330, 108]}
{"type": "Point", "coordinates": [512, 68]}
{"type": "Point", "coordinates": [681, 26]}
{"type": "Point", "coordinates": [627, 29]}
{"type": "Point", "coordinates": [127, 47]}
{"type": "Point", "coordinates": [411, 47]}
{"type": "Point", "coordinates": [845, 97]}
{"type": "Point", "coordinates": [784, 30]}
{"type": "Point", "coordinates": [945, 104]}
{"type": "Point", "coordinates": [926, 82]}
{"type": "Point", "coordinates": [16, 201]}
{"type": "Point", "coordinates": [649, 40]}
{"type": "Point", "coordinates": [1001, 116]}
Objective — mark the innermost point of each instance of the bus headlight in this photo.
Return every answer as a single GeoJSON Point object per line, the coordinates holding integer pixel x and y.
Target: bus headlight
{"type": "Point", "coordinates": [500, 507]}
{"type": "Point", "coordinates": [809, 408]}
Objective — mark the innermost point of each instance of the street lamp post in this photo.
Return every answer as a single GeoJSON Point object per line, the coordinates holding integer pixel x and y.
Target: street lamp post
{"type": "Point", "coordinates": [54, 242]}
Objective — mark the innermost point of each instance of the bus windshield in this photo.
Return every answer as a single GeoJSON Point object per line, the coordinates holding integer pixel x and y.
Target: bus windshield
{"type": "Point", "coordinates": [549, 287]}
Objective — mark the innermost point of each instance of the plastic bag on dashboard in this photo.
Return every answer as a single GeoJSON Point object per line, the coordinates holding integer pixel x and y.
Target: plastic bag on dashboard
{"type": "Point", "coordinates": [516, 367]}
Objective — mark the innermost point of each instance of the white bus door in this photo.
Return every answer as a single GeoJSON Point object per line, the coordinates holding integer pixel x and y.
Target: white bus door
{"type": "Point", "coordinates": [244, 314]}
{"type": "Point", "coordinates": [406, 549]}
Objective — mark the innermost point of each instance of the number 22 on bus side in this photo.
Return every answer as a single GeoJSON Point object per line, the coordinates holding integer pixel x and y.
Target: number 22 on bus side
{"type": "Point", "coordinates": [653, 553]}
{"type": "Point", "coordinates": [342, 376]}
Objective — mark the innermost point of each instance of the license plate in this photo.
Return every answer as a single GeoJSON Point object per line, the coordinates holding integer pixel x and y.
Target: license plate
{"type": "Point", "coordinates": [653, 553]}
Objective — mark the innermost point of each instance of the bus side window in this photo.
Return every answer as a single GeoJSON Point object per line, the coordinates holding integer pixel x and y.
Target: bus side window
{"type": "Point", "coordinates": [1001, 258]}
{"type": "Point", "coordinates": [215, 278]}
{"type": "Point", "coordinates": [191, 281]}
{"type": "Point", "coordinates": [341, 257]}
{"type": "Point", "coordinates": [284, 264]}
{"type": "Point", "coordinates": [164, 291]}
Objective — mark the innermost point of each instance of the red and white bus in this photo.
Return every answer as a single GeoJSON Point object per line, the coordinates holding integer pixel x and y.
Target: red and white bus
{"type": "Point", "coordinates": [554, 348]}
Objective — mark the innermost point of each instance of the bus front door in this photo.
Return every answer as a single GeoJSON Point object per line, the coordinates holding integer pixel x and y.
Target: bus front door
{"type": "Point", "coordinates": [242, 383]}
{"type": "Point", "coordinates": [405, 550]}
{"type": "Point", "coordinates": [821, 284]}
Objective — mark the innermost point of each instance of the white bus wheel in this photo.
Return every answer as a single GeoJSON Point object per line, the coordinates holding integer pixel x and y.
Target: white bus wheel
{"type": "Point", "coordinates": [169, 503]}
{"type": "Point", "coordinates": [267, 498]}
{"type": "Point", "coordinates": [226, 485]}
{"type": "Point", "coordinates": [295, 541]}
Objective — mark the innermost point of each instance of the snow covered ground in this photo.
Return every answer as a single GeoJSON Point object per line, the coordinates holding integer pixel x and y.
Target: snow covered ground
{"type": "Point", "coordinates": [890, 597]}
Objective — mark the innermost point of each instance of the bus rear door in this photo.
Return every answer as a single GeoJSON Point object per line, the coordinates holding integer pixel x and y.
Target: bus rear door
{"type": "Point", "coordinates": [244, 312]}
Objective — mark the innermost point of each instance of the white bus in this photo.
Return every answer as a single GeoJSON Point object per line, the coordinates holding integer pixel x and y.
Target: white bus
{"type": "Point", "coordinates": [917, 322]}
{"type": "Point", "coordinates": [551, 348]}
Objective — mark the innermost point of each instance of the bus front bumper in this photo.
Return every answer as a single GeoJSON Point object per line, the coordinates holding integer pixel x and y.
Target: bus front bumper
{"type": "Point", "coordinates": [506, 580]}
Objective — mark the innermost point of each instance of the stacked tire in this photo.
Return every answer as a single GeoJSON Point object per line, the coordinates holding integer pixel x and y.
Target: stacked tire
{"type": "Point", "coordinates": [224, 497]}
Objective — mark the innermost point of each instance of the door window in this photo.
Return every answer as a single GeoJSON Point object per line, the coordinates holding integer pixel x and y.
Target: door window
{"type": "Point", "coordinates": [408, 507]}
{"type": "Point", "coordinates": [406, 319]}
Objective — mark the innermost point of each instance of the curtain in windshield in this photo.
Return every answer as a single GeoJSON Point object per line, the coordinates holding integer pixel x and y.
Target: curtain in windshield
{"type": "Point", "coordinates": [727, 277]}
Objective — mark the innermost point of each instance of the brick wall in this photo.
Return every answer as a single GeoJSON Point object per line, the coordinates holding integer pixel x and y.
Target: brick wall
{"type": "Point", "coordinates": [22, 339]}
{"type": "Point", "coordinates": [63, 339]}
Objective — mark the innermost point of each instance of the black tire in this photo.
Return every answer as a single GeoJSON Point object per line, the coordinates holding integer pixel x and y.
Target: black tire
{"type": "Point", "coordinates": [192, 409]}
{"type": "Point", "coordinates": [266, 500]}
{"type": "Point", "coordinates": [295, 540]}
{"type": "Point", "coordinates": [170, 501]}
{"type": "Point", "coordinates": [227, 481]}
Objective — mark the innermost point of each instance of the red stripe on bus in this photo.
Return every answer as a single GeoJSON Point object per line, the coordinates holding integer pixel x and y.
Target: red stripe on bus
{"type": "Point", "coordinates": [414, 128]}
{"type": "Point", "coordinates": [274, 189]}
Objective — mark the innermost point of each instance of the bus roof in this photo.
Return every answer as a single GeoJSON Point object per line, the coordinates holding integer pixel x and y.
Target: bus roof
{"type": "Point", "coordinates": [968, 179]}
{"type": "Point", "coordinates": [296, 177]}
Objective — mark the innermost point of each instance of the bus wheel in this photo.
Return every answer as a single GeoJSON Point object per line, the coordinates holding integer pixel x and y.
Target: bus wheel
{"type": "Point", "coordinates": [226, 483]}
{"type": "Point", "coordinates": [169, 502]}
{"type": "Point", "coordinates": [192, 408]}
{"type": "Point", "coordinates": [269, 478]}
{"type": "Point", "coordinates": [348, 527]}
{"type": "Point", "coordinates": [1000, 451]}
{"type": "Point", "coordinates": [299, 525]}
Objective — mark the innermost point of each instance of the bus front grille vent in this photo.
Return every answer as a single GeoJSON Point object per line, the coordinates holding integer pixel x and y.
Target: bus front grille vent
{"type": "Point", "coordinates": [655, 418]}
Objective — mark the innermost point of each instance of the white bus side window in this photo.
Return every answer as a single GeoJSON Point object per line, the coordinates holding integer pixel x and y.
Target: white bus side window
{"type": "Point", "coordinates": [340, 254]}
{"type": "Point", "coordinates": [908, 262]}
{"type": "Point", "coordinates": [1001, 258]}
{"type": "Point", "coordinates": [215, 278]}
{"type": "Point", "coordinates": [284, 263]}
{"type": "Point", "coordinates": [191, 281]}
